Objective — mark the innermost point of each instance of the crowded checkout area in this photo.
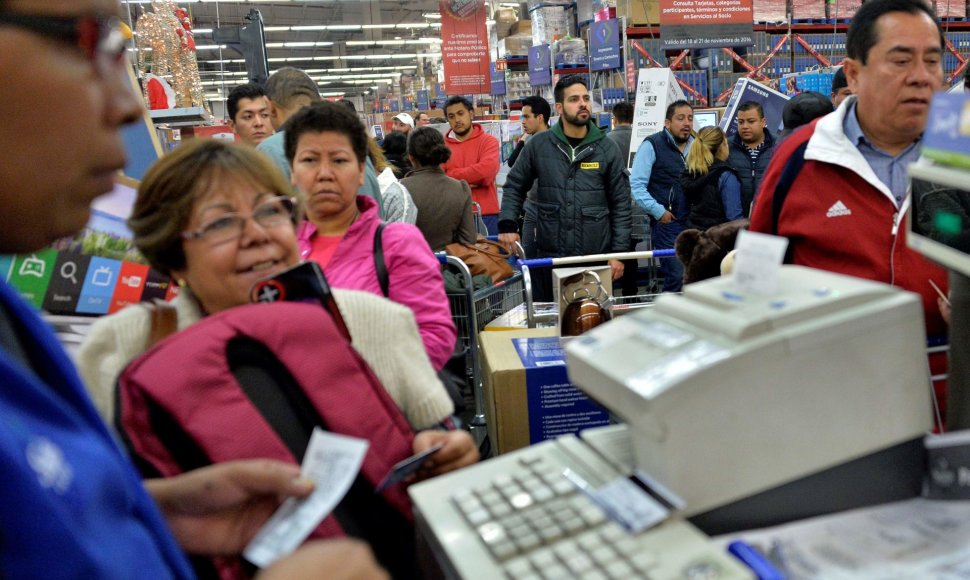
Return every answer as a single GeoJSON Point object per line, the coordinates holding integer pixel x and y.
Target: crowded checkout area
{"type": "Point", "coordinates": [774, 423]}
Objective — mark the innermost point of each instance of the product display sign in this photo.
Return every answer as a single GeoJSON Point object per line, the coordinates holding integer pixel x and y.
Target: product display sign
{"type": "Point", "coordinates": [540, 65]}
{"type": "Point", "coordinates": [98, 271]}
{"type": "Point", "coordinates": [770, 100]}
{"type": "Point", "coordinates": [706, 23]}
{"type": "Point", "coordinates": [498, 80]}
{"type": "Point", "coordinates": [656, 89]}
{"type": "Point", "coordinates": [424, 102]}
{"type": "Point", "coordinates": [604, 45]}
{"type": "Point", "coordinates": [464, 46]}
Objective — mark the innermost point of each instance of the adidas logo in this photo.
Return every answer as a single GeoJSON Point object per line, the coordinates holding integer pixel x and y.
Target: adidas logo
{"type": "Point", "coordinates": [838, 210]}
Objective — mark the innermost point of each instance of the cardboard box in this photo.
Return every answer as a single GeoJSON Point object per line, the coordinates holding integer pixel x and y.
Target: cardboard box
{"type": "Point", "coordinates": [528, 396]}
{"type": "Point", "coordinates": [522, 27]}
{"type": "Point", "coordinates": [639, 11]}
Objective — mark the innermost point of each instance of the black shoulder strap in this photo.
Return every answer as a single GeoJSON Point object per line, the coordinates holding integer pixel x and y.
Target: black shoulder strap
{"type": "Point", "coordinates": [788, 175]}
{"type": "Point", "coordinates": [379, 264]}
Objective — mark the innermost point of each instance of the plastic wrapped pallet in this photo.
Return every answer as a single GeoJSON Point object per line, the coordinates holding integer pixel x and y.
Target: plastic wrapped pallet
{"type": "Point", "coordinates": [846, 9]}
{"type": "Point", "coordinates": [548, 24]}
{"type": "Point", "coordinates": [770, 10]}
{"type": "Point", "coordinates": [950, 8]}
{"type": "Point", "coordinates": [808, 9]}
{"type": "Point", "coordinates": [515, 45]}
{"type": "Point", "coordinates": [571, 52]}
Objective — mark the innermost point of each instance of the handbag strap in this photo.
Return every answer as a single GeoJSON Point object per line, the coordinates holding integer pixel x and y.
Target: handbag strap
{"type": "Point", "coordinates": [379, 266]}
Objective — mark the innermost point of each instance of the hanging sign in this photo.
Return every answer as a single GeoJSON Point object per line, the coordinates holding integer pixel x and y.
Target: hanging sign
{"type": "Point", "coordinates": [498, 80]}
{"type": "Point", "coordinates": [464, 46]}
{"type": "Point", "coordinates": [604, 45]}
{"type": "Point", "coordinates": [706, 23]}
{"type": "Point", "coordinates": [540, 69]}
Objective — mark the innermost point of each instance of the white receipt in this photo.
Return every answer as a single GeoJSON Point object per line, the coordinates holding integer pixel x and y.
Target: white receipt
{"type": "Point", "coordinates": [332, 462]}
{"type": "Point", "coordinates": [758, 262]}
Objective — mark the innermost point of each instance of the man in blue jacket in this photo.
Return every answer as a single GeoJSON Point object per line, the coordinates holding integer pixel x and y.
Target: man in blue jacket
{"type": "Point", "coordinates": [71, 504]}
{"type": "Point", "coordinates": [583, 196]}
{"type": "Point", "coordinates": [655, 185]}
{"type": "Point", "coordinates": [751, 151]}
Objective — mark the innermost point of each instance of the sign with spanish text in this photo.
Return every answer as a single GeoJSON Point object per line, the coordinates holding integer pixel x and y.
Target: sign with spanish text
{"type": "Point", "coordinates": [498, 80]}
{"type": "Point", "coordinates": [464, 46]}
{"type": "Point", "coordinates": [706, 23]}
{"type": "Point", "coordinates": [540, 65]}
{"type": "Point", "coordinates": [424, 102]}
{"type": "Point", "coordinates": [604, 45]}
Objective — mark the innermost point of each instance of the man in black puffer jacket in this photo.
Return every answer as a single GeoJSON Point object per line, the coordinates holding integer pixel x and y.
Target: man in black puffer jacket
{"type": "Point", "coordinates": [751, 151]}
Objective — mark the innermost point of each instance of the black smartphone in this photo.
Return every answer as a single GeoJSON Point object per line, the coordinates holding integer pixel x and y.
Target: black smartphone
{"type": "Point", "coordinates": [304, 282]}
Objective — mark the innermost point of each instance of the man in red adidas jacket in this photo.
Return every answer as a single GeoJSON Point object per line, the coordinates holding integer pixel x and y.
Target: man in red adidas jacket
{"type": "Point", "coordinates": [474, 158]}
{"type": "Point", "coordinates": [845, 210]}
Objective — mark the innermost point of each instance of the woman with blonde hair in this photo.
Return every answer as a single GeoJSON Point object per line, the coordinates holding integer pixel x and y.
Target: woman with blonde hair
{"type": "Point", "coordinates": [711, 186]}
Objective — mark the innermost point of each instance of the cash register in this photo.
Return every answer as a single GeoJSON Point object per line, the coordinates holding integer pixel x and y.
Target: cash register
{"type": "Point", "coordinates": [754, 410]}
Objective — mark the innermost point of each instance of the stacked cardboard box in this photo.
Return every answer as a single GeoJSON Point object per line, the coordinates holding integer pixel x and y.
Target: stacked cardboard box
{"type": "Point", "coordinates": [770, 10]}
{"type": "Point", "coordinates": [844, 9]}
{"type": "Point", "coordinates": [639, 11]}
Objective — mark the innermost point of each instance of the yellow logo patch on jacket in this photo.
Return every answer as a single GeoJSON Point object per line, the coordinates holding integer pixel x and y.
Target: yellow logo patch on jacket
{"type": "Point", "coordinates": [592, 165]}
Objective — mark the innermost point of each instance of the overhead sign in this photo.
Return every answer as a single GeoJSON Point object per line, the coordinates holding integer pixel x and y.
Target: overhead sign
{"type": "Point", "coordinates": [656, 89]}
{"type": "Point", "coordinates": [423, 101]}
{"type": "Point", "coordinates": [498, 80]}
{"type": "Point", "coordinates": [540, 65]}
{"type": "Point", "coordinates": [604, 45]}
{"type": "Point", "coordinates": [706, 23]}
{"type": "Point", "coordinates": [464, 46]}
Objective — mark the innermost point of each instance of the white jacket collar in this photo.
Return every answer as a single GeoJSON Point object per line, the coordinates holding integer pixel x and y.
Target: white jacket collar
{"type": "Point", "coordinates": [830, 145]}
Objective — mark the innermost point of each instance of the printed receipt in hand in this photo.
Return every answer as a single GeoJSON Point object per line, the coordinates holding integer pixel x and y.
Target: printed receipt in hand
{"type": "Point", "coordinates": [332, 462]}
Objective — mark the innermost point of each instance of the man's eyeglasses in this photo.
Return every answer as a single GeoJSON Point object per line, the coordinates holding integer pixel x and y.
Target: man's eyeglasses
{"type": "Point", "coordinates": [229, 227]}
{"type": "Point", "coordinates": [99, 38]}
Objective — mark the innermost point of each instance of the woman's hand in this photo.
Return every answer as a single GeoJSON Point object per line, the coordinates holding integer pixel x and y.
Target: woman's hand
{"type": "Point", "coordinates": [338, 559]}
{"type": "Point", "coordinates": [217, 510]}
{"type": "Point", "coordinates": [459, 451]}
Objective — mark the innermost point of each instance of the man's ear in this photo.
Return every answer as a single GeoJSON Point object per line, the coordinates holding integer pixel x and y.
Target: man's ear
{"type": "Point", "coordinates": [852, 67]}
{"type": "Point", "coordinates": [559, 109]}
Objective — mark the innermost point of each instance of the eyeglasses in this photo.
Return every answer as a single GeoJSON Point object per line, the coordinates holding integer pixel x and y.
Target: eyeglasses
{"type": "Point", "coordinates": [229, 227]}
{"type": "Point", "coordinates": [99, 38]}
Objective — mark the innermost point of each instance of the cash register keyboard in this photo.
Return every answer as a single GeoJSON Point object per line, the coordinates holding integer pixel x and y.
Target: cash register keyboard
{"type": "Point", "coordinates": [517, 517]}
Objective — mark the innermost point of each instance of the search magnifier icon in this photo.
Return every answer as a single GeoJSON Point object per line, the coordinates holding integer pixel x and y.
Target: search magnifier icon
{"type": "Point", "coordinates": [69, 271]}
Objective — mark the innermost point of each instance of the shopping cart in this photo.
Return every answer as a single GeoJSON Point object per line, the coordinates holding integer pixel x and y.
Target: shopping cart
{"type": "Point", "coordinates": [471, 311]}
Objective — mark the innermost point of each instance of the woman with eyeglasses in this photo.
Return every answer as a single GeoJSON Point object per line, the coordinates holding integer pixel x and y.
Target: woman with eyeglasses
{"type": "Point", "coordinates": [217, 217]}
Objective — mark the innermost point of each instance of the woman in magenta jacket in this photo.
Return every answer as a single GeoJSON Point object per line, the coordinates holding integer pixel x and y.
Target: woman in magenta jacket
{"type": "Point", "coordinates": [326, 145]}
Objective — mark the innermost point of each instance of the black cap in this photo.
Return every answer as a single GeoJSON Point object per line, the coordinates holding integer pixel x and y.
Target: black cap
{"type": "Point", "coordinates": [804, 108]}
{"type": "Point", "coordinates": [839, 81]}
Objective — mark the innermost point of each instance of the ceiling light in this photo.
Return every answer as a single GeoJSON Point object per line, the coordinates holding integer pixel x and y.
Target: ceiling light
{"type": "Point", "coordinates": [432, 15]}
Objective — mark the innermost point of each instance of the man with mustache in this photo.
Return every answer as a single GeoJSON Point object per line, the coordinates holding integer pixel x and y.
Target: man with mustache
{"type": "Point", "coordinates": [844, 201]}
{"type": "Point", "coordinates": [583, 197]}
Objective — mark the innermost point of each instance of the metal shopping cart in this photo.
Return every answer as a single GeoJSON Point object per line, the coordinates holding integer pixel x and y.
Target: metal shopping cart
{"type": "Point", "coordinates": [471, 311]}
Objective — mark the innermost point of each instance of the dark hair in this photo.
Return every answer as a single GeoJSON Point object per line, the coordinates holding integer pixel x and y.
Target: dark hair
{"type": "Point", "coordinates": [427, 146]}
{"type": "Point", "coordinates": [349, 104]}
{"type": "Point", "coordinates": [749, 105]}
{"type": "Point", "coordinates": [804, 108]}
{"type": "Point", "coordinates": [839, 81]}
{"type": "Point", "coordinates": [566, 82]}
{"type": "Point", "coordinates": [246, 91]}
{"type": "Point", "coordinates": [395, 143]}
{"type": "Point", "coordinates": [326, 117]}
{"type": "Point", "coordinates": [623, 112]}
{"type": "Point", "coordinates": [458, 100]}
{"type": "Point", "coordinates": [287, 84]}
{"type": "Point", "coordinates": [966, 78]}
{"type": "Point", "coordinates": [539, 106]}
{"type": "Point", "coordinates": [672, 108]}
{"type": "Point", "coordinates": [861, 36]}
{"type": "Point", "coordinates": [173, 185]}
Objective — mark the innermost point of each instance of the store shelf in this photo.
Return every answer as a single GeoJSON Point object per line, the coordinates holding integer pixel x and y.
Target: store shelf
{"type": "Point", "coordinates": [179, 117]}
{"type": "Point", "coordinates": [571, 71]}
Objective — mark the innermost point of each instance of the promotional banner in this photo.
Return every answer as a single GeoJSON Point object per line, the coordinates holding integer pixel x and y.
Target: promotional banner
{"type": "Point", "coordinates": [656, 89]}
{"type": "Point", "coordinates": [706, 23]}
{"type": "Point", "coordinates": [498, 80]}
{"type": "Point", "coordinates": [540, 66]}
{"type": "Point", "coordinates": [464, 46]}
{"type": "Point", "coordinates": [770, 100]}
{"type": "Point", "coordinates": [604, 45]}
{"type": "Point", "coordinates": [423, 101]}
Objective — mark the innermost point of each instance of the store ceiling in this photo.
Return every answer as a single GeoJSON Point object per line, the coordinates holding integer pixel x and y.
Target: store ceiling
{"type": "Point", "coordinates": [340, 59]}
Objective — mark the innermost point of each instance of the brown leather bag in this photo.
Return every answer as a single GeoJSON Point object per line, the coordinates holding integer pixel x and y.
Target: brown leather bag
{"type": "Point", "coordinates": [484, 257]}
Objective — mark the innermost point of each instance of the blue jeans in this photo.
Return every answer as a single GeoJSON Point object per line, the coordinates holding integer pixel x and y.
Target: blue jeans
{"type": "Point", "coordinates": [663, 237]}
{"type": "Point", "coordinates": [491, 223]}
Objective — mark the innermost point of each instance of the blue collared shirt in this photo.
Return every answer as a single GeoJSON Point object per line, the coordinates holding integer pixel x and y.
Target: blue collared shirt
{"type": "Point", "coordinates": [890, 170]}
{"type": "Point", "coordinates": [640, 176]}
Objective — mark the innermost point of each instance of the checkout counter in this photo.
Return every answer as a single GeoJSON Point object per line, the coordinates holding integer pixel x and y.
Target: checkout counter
{"type": "Point", "coordinates": [739, 411]}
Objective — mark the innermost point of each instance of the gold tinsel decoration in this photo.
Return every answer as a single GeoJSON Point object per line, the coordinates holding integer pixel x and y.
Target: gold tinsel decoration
{"type": "Point", "coordinates": [167, 31]}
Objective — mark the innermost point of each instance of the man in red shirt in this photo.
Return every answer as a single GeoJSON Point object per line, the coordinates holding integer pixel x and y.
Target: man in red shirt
{"type": "Point", "coordinates": [474, 158]}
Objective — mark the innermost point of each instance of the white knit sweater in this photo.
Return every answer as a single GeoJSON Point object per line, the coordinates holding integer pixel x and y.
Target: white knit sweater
{"type": "Point", "coordinates": [383, 333]}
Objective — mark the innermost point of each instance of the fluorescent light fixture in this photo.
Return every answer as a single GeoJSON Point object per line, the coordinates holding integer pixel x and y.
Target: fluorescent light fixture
{"type": "Point", "coordinates": [297, 44]}
{"type": "Point", "coordinates": [432, 15]}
